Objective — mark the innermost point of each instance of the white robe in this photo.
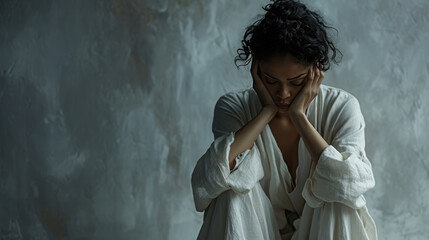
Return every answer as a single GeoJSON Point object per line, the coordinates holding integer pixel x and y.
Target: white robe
{"type": "Point", "coordinates": [256, 199]}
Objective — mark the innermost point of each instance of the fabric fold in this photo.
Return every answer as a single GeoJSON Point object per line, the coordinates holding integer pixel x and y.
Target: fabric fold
{"type": "Point", "coordinates": [250, 200]}
{"type": "Point", "coordinates": [212, 175]}
{"type": "Point", "coordinates": [343, 172]}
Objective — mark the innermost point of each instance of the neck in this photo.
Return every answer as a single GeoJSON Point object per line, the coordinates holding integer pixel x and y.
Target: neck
{"type": "Point", "coordinates": [282, 117]}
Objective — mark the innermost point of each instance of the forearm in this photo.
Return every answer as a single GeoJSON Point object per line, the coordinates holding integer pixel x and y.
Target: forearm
{"type": "Point", "coordinates": [246, 136]}
{"type": "Point", "coordinates": [313, 141]}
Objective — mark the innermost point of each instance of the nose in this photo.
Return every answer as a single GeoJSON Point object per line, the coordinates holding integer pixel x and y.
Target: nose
{"type": "Point", "coordinates": [284, 92]}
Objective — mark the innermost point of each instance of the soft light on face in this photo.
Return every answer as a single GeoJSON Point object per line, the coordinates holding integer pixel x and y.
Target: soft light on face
{"type": "Point", "coordinates": [284, 78]}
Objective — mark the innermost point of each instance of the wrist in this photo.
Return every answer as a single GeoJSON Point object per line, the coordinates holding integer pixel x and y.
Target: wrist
{"type": "Point", "coordinates": [270, 110]}
{"type": "Point", "coordinates": [297, 117]}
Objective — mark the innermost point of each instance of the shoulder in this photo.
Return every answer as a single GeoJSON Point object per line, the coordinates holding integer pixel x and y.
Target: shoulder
{"type": "Point", "coordinates": [338, 108]}
{"type": "Point", "coordinates": [238, 97]}
{"type": "Point", "coordinates": [329, 93]}
{"type": "Point", "coordinates": [332, 98]}
{"type": "Point", "coordinates": [237, 100]}
{"type": "Point", "coordinates": [232, 111]}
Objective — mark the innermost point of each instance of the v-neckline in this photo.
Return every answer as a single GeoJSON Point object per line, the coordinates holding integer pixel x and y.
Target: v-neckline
{"type": "Point", "coordinates": [283, 163]}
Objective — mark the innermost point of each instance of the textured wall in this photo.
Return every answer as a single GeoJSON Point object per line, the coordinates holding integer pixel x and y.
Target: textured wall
{"type": "Point", "coordinates": [107, 105]}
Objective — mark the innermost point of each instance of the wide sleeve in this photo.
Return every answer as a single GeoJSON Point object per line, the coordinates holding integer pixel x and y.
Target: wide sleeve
{"type": "Point", "coordinates": [343, 172]}
{"type": "Point", "coordinates": [211, 175]}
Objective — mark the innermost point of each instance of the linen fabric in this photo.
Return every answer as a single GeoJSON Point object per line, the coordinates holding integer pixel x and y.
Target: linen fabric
{"type": "Point", "coordinates": [256, 199]}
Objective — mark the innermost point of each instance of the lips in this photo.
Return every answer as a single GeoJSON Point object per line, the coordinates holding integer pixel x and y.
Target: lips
{"type": "Point", "coordinates": [283, 105]}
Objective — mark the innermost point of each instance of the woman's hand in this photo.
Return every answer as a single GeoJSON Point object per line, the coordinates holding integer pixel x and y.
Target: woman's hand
{"type": "Point", "coordinates": [258, 85]}
{"type": "Point", "coordinates": [308, 92]}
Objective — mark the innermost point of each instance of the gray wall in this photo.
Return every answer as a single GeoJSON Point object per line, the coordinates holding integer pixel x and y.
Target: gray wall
{"type": "Point", "coordinates": [107, 105]}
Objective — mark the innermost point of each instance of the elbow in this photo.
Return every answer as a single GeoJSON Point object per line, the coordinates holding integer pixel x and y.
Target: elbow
{"type": "Point", "coordinates": [200, 207]}
{"type": "Point", "coordinates": [200, 203]}
{"type": "Point", "coordinates": [198, 193]}
{"type": "Point", "coordinates": [371, 180]}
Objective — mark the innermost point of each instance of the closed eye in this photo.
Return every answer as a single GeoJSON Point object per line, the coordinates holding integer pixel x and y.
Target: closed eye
{"type": "Point", "coordinates": [297, 82]}
{"type": "Point", "coordinates": [271, 81]}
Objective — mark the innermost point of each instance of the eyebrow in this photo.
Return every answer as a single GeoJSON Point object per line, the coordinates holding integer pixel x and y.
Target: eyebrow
{"type": "Point", "coordinates": [287, 79]}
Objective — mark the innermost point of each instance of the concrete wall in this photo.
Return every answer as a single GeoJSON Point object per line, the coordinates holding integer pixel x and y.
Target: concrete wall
{"type": "Point", "coordinates": [105, 107]}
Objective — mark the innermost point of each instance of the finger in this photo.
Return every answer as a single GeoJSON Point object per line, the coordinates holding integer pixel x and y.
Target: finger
{"type": "Point", "coordinates": [254, 67]}
{"type": "Point", "coordinates": [257, 81]}
{"type": "Point", "coordinates": [322, 76]}
{"type": "Point", "coordinates": [253, 72]}
{"type": "Point", "coordinates": [316, 75]}
{"type": "Point", "coordinates": [320, 73]}
{"type": "Point", "coordinates": [310, 76]}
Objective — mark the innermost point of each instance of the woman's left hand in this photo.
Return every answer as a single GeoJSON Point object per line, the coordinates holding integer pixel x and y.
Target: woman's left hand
{"type": "Point", "coordinates": [308, 92]}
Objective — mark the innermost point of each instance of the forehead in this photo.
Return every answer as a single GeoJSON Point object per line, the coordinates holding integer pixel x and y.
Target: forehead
{"type": "Point", "coordinates": [283, 67]}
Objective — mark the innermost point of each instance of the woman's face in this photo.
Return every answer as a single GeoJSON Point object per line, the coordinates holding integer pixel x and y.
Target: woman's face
{"type": "Point", "coordinates": [283, 77]}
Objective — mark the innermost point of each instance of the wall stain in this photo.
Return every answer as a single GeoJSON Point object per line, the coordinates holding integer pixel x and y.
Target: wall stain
{"type": "Point", "coordinates": [136, 17]}
{"type": "Point", "coordinates": [53, 221]}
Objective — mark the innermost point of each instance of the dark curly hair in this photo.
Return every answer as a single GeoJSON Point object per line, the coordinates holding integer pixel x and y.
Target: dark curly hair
{"type": "Point", "coordinates": [289, 27]}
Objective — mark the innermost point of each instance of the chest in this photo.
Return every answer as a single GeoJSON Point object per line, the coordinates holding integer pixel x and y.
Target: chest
{"type": "Point", "coordinates": [287, 139]}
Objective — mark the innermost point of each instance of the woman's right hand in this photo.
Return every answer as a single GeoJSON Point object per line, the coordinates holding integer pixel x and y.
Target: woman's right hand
{"type": "Point", "coordinates": [246, 136]}
{"type": "Point", "coordinates": [258, 85]}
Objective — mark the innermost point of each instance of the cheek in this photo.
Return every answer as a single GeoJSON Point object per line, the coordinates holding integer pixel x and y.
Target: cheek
{"type": "Point", "coordinates": [272, 89]}
{"type": "Point", "coordinates": [296, 91]}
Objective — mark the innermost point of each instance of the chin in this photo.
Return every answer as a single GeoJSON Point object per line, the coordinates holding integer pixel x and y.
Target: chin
{"type": "Point", "coordinates": [282, 110]}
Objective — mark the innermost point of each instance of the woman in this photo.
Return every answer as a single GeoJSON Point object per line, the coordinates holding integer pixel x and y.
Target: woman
{"type": "Point", "coordinates": [288, 160]}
